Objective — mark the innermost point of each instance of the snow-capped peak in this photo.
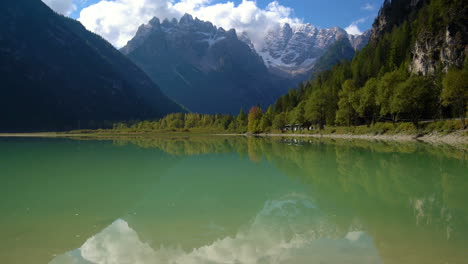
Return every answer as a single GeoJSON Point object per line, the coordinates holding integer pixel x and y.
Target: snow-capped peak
{"type": "Point", "coordinates": [296, 48]}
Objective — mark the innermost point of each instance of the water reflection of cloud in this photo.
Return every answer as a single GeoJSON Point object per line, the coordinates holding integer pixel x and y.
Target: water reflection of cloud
{"type": "Point", "coordinates": [287, 230]}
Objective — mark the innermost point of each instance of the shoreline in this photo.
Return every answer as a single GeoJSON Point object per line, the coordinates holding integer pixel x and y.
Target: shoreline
{"type": "Point", "coordinates": [451, 139]}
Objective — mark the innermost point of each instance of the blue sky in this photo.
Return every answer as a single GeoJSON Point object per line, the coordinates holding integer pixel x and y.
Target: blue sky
{"type": "Point", "coordinates": [320, 13]}
{"type": "Point", "coordinates": [329, 13]}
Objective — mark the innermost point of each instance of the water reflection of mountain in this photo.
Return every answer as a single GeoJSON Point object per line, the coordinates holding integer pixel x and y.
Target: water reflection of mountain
{"type": "Point", "coordinates": [289, 229]}
{"type": "Point", "coordinates": [57, 193]}
{"type": "Point", "coordinates": [207, 198]}
{"type": "Point", "coordinates": [410, 197]}
{"type": "Point", "coordinates": [224, 209]}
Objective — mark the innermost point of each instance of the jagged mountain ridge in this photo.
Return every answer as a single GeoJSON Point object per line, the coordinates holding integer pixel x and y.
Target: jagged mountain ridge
{"type": "Point", "coordinates": [56, 75]}
{"type": "Point", "coordinates": [207, 69]}
{"type": "Point", "coordinates": [189, 58]}
{"type": "Point", "coordinates": [293, 50]}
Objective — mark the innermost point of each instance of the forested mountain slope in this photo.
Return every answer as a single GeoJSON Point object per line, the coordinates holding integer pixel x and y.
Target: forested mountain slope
{"type": "Point", "coordinates": [56, 75]}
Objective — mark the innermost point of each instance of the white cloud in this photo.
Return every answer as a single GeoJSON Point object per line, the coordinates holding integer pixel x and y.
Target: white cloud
{"type": "Point", "coordinates": [118, 20]}
{"type": "Point", "coordinates": [353, 29]}
{"type": "Point", "coordinates": [368, 7]}
{"type": "Point", "coordinates": [64, 7]}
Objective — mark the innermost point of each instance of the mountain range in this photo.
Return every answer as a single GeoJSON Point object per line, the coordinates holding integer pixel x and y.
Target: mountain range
{"type": "Point", "coordinates": [194, 61]}
{"type": "Point", "coordinates": [293, 51]}
{"type": "Point", "coordinates": [56, 75]}
{"type": "Point", "coordinates": [205, 68]}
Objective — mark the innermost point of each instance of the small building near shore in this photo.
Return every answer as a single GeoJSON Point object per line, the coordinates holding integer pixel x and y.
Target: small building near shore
{"type": "Point", "coordinates": [297, 127]}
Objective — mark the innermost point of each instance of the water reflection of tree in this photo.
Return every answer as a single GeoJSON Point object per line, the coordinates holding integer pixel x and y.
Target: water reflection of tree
{"type": "Point", "coordinates": [410, 197]}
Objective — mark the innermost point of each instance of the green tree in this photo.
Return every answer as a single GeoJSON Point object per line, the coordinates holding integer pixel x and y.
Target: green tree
{"type": "Point", "coordinates": [348, 99]}
{"type": "Point", "coordinates": [192, 120]}
{"type": "Point", "coordinates": [367, 105]}
{"type": "Point", "coordinates": [176, 123]}
{"type": "Point", "coordinates": [267, 120]}
{"type": "Point", "coordinates": [299, 114]}
{"type": "Point", "coordinates": [316, 107]}
{"type": "Point", "coordinates": [279, 121]}
{"type": "Point", "coordinates": [414, 97]}
{"type": "Point", "coordinates": [255, 115]}
{"type": "Point", "coordinates": [240, 124]}
{"type": "Point", "coordinates": [385, 91]}
{"type": "Point", "coordinates": [455, 92]}
{"type": "Point", "coordinates": [264, 125]}
{"type": "Point", "coordinates": [242, 117]}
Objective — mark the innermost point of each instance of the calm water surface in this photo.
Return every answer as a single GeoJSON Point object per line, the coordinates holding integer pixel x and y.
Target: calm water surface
{"type": "Point", "coordinates": [231, 200]}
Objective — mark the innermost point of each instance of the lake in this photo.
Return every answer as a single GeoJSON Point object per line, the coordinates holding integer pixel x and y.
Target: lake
{"type": "Point", "coordinates": [213, 199]}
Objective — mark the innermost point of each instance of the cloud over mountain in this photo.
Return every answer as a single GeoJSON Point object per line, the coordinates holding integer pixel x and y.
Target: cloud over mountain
{"type": "Point", "coordinates": [353, 28]}
{"type": "Point", "coordinates": [118, 21]}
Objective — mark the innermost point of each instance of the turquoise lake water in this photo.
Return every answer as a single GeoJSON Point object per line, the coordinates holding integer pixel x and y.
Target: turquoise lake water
{"type": "Point", "coordinates": [209, 199]}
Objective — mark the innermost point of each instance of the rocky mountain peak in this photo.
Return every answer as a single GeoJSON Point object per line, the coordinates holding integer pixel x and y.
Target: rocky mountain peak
{"type": "Point", "coordinates": [186, 19]}
{"type": "Point", "coordinates": [286, 30]}
{"type": "Point", "coordinates": [155, 21]}
{"type": "Point", "coordinates": [185, 29]}
{"type": "Point", "coordinates": [294, 49]}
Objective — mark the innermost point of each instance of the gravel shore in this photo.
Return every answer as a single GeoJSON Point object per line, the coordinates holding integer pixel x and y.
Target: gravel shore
{"type": "Point", "coordinates": [451, 139]}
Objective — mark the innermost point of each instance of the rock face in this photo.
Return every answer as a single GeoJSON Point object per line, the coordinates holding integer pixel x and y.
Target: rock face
{"type": "Point", "coordinates": [442, 50]}
{"type": "Point", "coordinates": [56, 75]}
{"type": "Point", "coordinates": [360, 41]}
{"type": "Point", "coordinates": [207, 69]}
{"type": "Point", "coordinates": [439, 47]}
{"type": "Point", "coordinates": [444, 47]}
{"type": "Point", "coordinates": [393, 13]}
